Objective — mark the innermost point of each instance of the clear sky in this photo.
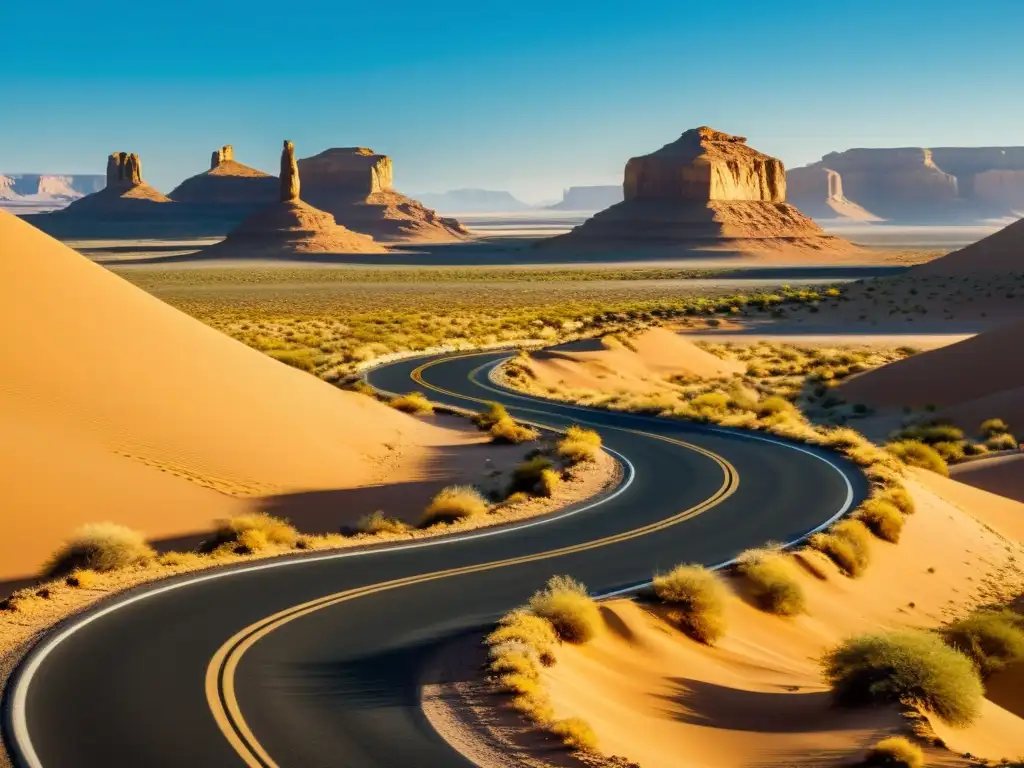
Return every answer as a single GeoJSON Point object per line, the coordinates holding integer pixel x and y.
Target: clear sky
{"type": "Point", "coordinates": [525, 95]}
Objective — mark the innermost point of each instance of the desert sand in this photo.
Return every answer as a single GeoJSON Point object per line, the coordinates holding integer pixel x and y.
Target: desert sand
{"type": "Point", "coordinates": [117, 407]}
{"type": "Point", "coordinates": [757, 698]}
{"type": "Point", "coordinates": [632, 364]}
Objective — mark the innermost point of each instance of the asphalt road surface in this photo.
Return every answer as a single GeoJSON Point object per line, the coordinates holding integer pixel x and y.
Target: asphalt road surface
{"type": "Point", "coordinates": [313, 661]}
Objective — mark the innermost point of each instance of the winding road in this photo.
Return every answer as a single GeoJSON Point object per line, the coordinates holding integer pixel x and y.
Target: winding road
{"type": "Point", "coordinates": [313, 661]}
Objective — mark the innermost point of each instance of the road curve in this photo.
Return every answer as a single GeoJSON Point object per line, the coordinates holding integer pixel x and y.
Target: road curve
{"type": "Point", "coordinates": [314, 661]}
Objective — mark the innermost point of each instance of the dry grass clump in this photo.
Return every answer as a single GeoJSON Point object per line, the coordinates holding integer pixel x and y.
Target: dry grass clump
{"type": "Point", "coordinates": [993, 427]}
{"type": "Point", "coordinates": [579, 445]}
{"type": "Point", "coordinates": [252, 532]}
{"type": "Point", "coordinates": [454, 503]}
{"type": "Point", "coordinates": [813, 561]}
{"type": "Point", "coordinates": [495, 412]}
{"type": "Point", "coordinates": [181, 559]}
{"type": "Point", "coordinates": [697, 599]}
{"type": "Point", "coordinates": [510, 432]}
{"type": "Point", "coordinates": [990, 638]}
{"type": "Point", "coordinates": [914, 453]}
{"type": "Point", "coordinates": [533, 631]}
{"type": "Point", "coordinates": [414, 403]}
{"type": "Point", "coordinates": [99, 547]}
{"type": "Point", "coordinates": [772, 583]}
{"type": "Point", "coordinates": [898, 497]}
{"type": "Point", "coordinates": [909, 666]}
{"type": "Point", "coordinates": [883, 518]}
{"type": "Point", "coordinates": [572, 612]}
{"type": "Point", "coordinates": [575, 733]}
{"type": "Point", "coordinates": [377, 522]}
{"type": "Point", "coordinates": [894, 752]}
{"type": "Point", "coordinates": [81, 577]}
{"type": "Point", "coordinates": [847, 544]}
{"type": "Point", "coordinates": [1001, 442]}
{"type": "Point", "coordinates": [536, 476]}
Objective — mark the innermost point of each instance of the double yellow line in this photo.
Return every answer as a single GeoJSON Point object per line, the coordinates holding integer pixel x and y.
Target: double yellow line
{"type": "Point", "coordinates": [220, 673]}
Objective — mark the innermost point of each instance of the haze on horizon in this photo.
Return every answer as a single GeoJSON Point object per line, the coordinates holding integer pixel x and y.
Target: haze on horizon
{"type": "Point", "coordinates": [467, 96]}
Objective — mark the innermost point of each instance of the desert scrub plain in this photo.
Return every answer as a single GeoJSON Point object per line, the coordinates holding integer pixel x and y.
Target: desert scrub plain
{"type": "Point", "coordinates": [329, 321]}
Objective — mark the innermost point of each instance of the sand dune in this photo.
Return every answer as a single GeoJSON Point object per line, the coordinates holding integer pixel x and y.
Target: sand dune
{"type": "Point", "coordinates": [652, 694]}
{"type": "Point", "coordinates": [1003, 475]}
{"type": "Point", "coordinates": [977, 367]}
{"type": "Point", "coordinates": [117, 407]}
{"type": "Point", "coordinates": [631, 364]}
{"type": "Point", "coordinates": [1001, 253]}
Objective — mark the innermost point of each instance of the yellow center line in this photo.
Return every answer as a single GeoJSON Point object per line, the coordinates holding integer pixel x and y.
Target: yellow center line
{"type": "Point", "coordinates": [221, 692]}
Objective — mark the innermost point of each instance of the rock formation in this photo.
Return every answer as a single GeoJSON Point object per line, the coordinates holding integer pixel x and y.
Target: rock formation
{"type": "Point", "coordinates": [921, 185]}
{"type": "Point", "coordinates": [124, 170]}
{"type": "Point", "coordinates": [291, 227]}
{"type": "Point", "coordinates": [595, 198]}
{"type": "Point", "coordinates": [818, 192]}
{"type": "Point", "coordinates": [355, 185]}
{"type": "Point", "coordinates": [289, 174]}
{"type": "Point", "coordinates": [126, 194]}
{"type": "Point", "coordinates": [705, 189]}
{"type": "Point", "coordinates": [229, 190]}
{"type": "Point", "coordinates": [223, 155]}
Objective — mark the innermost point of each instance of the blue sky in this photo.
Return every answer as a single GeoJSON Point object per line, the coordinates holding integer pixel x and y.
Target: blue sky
{"type": "Point", "coordinates": [526, 95]}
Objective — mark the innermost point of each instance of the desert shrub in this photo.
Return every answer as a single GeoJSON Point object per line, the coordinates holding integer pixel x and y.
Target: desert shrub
{"type": "Point", "coordinates": [900, 497]}
{"type": "Point", "coordinates": [772, 584]}
{"type": "Point", "coordinates": [527, 475]}
{"type": "Point", "coordinates": [414, 403]}
{"type": "Point", "coordinates": [548, 483]}
{"type": "Point", "coordinates": [914, 453]}
{"type": "Point", "coordinates": [579, 434]}
{"type": "Point", "coordinates": [839, 550]}
{"type": "Point", "coordinates": [378, 522]}
{"type": "Point", "coordinates": [251, 532]}
{"type": "Point", "coordinates": [495, 412]}
{"type": "Point", "coordinates": [576, 452]}
{"type": "Point", "coordinates": [516, 498]}
{"type": "Point", "coordinates": [906, 666]}
{"type": "Point", "coordinates": [894, 752]}
{"type": "Point", "coordinates": [572, 612]}
{"type": "Point", "coordinates": [1002, 442]}
{"type": "Point", "coordinates": [303, 359]}
{"type": "Point", "coordinates": [524, 685]}
{"type": "Point", "coordinates": [715, 401]}
{"type": "Point", "coordinates": [575, 733]}
{"type": "Point", "coordinates": [883, 518]}
{"type": "Point", "coordinates": [990, 638]}
{"type": "Point", "coordinates": [525, 627]}
{"type": "Point", "coordinates": [99, 547]}
{"type": "Point", "coordinates": [515, 662]}
{"type": "Point", "coordinates": [178, 559]}
{"type": "Point", "coordinates": [81, 577]}
{"type": "Point", "coordinates": [454, 503]}
{"type": "Point", "coordinates": [993, 427]}
{"type": "Point", "coordinates": [950, 452]}
{"type": "Point", "coordinates": [697, 598]}
{"type": "Point", "coordinates": [774, 405]}
{"type": "Point", "coordinates": [510, 432]}
{"type": "Point", "coordinates": [537, 707]}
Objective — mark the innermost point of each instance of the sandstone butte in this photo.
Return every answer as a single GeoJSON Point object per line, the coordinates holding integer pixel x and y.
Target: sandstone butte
{"type": "Point", "coordinates": [227, 183]}
{"type": "Point", "coordinates": [355, 185]}
{"type": "Point", "coordinates": [706, 189]}
{"type": "Point", "coordinates": [291, 226]}
{"type": "Point", "coordinates": [126, 191]}
{"type": "Point", "coordinates": [915, 184]}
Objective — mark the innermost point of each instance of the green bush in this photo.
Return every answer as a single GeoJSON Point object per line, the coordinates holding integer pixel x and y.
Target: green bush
{"type": "Point", "coordinates": [772, 583]}
{"type": "Point", "coordinates": [454, 503]}
{"type": "Point", "coordinates": [99, 547]}
{"type": "Point", "coordinates": [906, 666]}
{"type": "Point", "coordinates": [572, 612]}
{"type": "Point", "coordinates": [990, 638]}
{"type": "Point", "coordinates": [894, 752]}
{"type": "Point", "coordinates": [697, 599]}
{"type": "Point", "coordinates": [993, 427]}
{"type": "Point", "coordinates": [914, 453]}
{"type": "Point", "coordinates": [1002, 442]}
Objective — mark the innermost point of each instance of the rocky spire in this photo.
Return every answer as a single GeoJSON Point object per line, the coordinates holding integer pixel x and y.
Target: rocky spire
{"type": "Point", "coordinates": [124, 170]}
{"type": "Point", "coordinates": [222, 155]}
{"type": "Point", "coordinates": [289, 174]}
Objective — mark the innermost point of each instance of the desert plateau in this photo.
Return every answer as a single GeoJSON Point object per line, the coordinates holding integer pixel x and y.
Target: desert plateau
{"type": "Point", "coordinates": [626, 442]}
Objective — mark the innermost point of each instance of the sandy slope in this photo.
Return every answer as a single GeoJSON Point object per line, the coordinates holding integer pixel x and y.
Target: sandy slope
{"type": "Point", "coordinates": [634, 364]}
{"type": "Point", "coordinates": [757, 699]}
{"type": "Point", "coordinates": [1003, 475]}
{"type": "Point", "coordinates": [117, 407]}
{"type": "Point", "coordinates": [1000, 253]}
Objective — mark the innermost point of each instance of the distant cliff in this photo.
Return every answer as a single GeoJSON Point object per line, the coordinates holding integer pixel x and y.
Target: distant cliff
{"type": "Point", "coordinates": [472, 201]}
{"type": "Point", "coordinates": [595, 198]}
{"type": "Point", "coordinates": [45, 192]}
{"type": "Point", "coordinates": [917, 184]}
